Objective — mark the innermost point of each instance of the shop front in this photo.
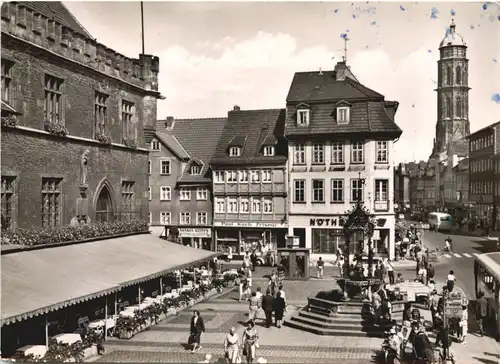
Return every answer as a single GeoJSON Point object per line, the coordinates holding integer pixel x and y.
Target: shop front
{"type": "Point", "coordinates": [239, 237]}
{"type": "Point", "coordinates": [324, 235]}
{"type": "Point", "coordinates": [193, 236]}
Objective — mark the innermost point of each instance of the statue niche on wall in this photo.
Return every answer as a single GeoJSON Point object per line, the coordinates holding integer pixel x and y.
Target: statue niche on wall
{"type": "Point", "coordinates": [84, 168]}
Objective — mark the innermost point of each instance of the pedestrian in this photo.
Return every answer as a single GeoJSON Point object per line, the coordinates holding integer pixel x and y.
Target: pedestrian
{"type": "Point", "coordinates": [245, 290]}
{"type": "Point", "coordinates": [250, 342]}
{"type": "Point", "coordinates": [197, 328]}
{"type": "Point", "coordinates": [267, 306]}
{"type": "Point", "coordinates": [232, 346]}
{"type": "Point", "coordinates": [376, 302]}
{"type": "Point", "coordinates": [423, 275]}
{"type": "Point", "coordinates": [463, 325]}
{"type": "Point", "coordinates": [341, 263]}
{"type": "Point", "coordinates": [430, 272]}
{"type": "Point", "coordinates": [281, 272]}
{"type": "Point", "coordinates": [481, 311]}
{"type": "Point", "coordinates": [253, 259]}
{"type": "Point", "coordinates": [259, 294]}
{"type": "Point", "coordinates": [390, 271]}
{"type": "Point", "coordinates": [271, 285]}
{"type": "Point", "coordinates": [383, 272]}
{"type": "Point", "coordinates": [450, 281]}
{"type": "Point", "coordinates": [433, 305]}
{"type": "Point", "coordinates": [279, 309]}
{"type": "Point", "coordinates": [253, 307]}
{"type": "Point", "coordinates": [282, 293]}
{"type": "Point", "coordinates": [320, 266]}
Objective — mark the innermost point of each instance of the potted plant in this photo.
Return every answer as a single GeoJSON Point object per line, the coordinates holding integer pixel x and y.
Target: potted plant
{"type": "Point", "coordinates": [103, 138]}
{"type": "Point", "coordinates": [58, 129]}
{"type": "Point", "coordinates": [9, 121]}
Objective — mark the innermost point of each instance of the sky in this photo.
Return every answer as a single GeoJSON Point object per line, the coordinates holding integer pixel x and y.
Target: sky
{"type": "Point", "coordinates": [217, 55]}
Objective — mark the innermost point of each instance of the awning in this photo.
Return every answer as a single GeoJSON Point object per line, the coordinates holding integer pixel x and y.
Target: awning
{"type": "Point", "coordinates": [38, 281]}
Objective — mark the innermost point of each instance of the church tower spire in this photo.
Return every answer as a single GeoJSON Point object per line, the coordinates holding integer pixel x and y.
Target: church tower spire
{"type": "Point", "coordinates": [452, 91]}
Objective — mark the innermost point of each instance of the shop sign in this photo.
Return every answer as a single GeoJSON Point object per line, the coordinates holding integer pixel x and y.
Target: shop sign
{"type": "Point", "coordinates": [195, 232]}
{"type": "Point", "coordinates": [248, 224]}
{"type": "Point", "coordinates": [331, 221]}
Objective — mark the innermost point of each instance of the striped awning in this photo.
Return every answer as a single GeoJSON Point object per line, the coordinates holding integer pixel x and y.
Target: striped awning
{"type": "Point", "coordinates": [36, 282]}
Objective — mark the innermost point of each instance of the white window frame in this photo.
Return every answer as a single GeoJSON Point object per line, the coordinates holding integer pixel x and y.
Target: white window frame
{"type": "Point", "coordinates": [267, 176]}
{"type": "Point", "coordinates": [244, 205]}
{"type": "Point", "coordinates": [303, 117]}
{"type": "Point", "coordinates": [299, 154]}
{"type": "Point", "coordinates": [169, 163]}
{"type": "Point", "coordinates": [315, 191]}
{"type": "Point", "coordinates": [231, 176]}
{"type": "Point", "coordinates": [299, 186]}
{"type": "Point", "coordinates": [165, 218]}
{"type": "Point", "coordinates": [201, 194]}
{"type": "Point", "coordinates": [232, 206]}
{"type": "Point", "coordinates": [235, 151]}
{"type": "Point", "coordinates": [267, 206]}
{"type": "Point", "coordinates": [318, 154]}
{"type": "Point", "coordinates": [357, 150]}
{"type": "Point", "coordinates": [343, 115]}
{"type": "Point", "coordinates": [201, 218]}
{"type": "Point", "coordinates": [255, 176]}
{"type": "Point", "coordinates": [184, 218]}
{"type": "Point", "coordinates": [150, 167]}
{"type": "Point", "coordinates": [256, 206]}
{"type": "Point", "coordinates": [381, 147]}
{"type": "Point", "coordinates": [165, 193]}
{"type": "Point", "coordinates": [220, 205]}
{"type": "Point", "coordinates": [354, 186]}
{"type": "Point", "coordinates": [334, 186]}
{"type": "Point", "coordinates": [337, 153]}
{"type": "Point", "coordinates": [269, 151]}
{"type": "Point", "coordinates": [184, 194]}
{"type": "Point", "coordinates": [219, 176]}
{"type": "Point", "coordinates": [150, 193]}
{"type": "Point", "coordinates": [243, 176]}
{"type": "Point", "coordinates": [194, 170]}
{"type": "Point", "coordinates": [155, 143]}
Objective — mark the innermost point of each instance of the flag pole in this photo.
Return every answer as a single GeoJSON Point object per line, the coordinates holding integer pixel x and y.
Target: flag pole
{"type": "Point", "coordinates": [142, 25]}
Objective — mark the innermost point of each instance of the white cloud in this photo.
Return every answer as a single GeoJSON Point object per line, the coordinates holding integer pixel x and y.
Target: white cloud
{"type": "Point", "coordinates": [256, 74]}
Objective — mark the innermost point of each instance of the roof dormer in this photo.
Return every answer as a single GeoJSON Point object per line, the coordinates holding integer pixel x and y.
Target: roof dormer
{"type": "Point", "coordinates": [195, 167]}
{"type": "Point", "coordinates": [268, 146]}
{"type": "Point", "coordinates": [343, 112]}
{"type": "Point", "coordinates": [235, 147]}
{"type": "Point", "coordinates": [303, 114]}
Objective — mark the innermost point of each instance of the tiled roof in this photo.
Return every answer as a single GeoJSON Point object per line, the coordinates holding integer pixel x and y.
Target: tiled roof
{"type": "Point", "coordinates": [365, 117]}
{"type": "Point", "coordinates": [199, 137]}
{"type": "Point", "coordinates": [57, 11]}
{"type": "Point", "coordinates": [322, 86]}
{"type": "Point", "coordinates": [256, 126]}
{"type": "Point", "coordinates": [238, 141]}
{"type": "Point", "coordinates": [171, 141]}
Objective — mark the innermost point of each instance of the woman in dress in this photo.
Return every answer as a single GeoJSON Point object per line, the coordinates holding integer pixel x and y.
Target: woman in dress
{"type": "Point", "coordinates": [463, 325]}
{"type": "Point", "coordinates": [250, 342]}
{"type": "Point", "coordinates": [279, 309]}
{"type": "Point", "coordinates": [232, 345]}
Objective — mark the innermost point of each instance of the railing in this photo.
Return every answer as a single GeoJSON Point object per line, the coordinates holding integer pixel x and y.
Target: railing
{"type": "Point", "coordinates": [108, 216]}
{"type": "Point", "coordinates": [381, 206]}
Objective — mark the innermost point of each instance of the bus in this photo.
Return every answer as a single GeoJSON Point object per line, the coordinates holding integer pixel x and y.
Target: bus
{"type": "Point", "coordinates": [487, 278]}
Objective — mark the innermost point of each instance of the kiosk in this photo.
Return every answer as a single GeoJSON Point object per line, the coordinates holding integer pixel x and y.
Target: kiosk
{"type": "Point", "coordinates": [295, 260]}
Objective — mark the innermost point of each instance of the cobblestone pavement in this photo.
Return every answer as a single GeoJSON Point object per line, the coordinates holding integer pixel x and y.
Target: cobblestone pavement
{"type": "Point", "coordinates": [165, 342]}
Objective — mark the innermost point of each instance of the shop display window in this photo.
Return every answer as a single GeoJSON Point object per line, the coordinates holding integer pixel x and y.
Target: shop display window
{"type": "Point", "coordinates": [327, 241]}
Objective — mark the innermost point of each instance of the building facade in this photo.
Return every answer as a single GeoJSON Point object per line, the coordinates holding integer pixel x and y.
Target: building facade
{"type": "Point", "coordinates": [484, 170]}
{"type": "Point", "coordinates": [181, 179]}
{"type": "Point", "coordinates": [77, 118]}
{"type": "Point", "coordinates": [250, 181]}
{"type": "Point", "coordinates": [341, 137]}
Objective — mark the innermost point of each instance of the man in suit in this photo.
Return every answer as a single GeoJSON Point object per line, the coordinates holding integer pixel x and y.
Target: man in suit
{"type": "Point", "coordinates": [267, 306]}
{"type": "Point", "coordinates": [197, 327]}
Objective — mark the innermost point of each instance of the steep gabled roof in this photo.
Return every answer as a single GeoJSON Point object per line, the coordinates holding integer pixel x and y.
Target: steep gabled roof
{"type": "Point", "coordinates": [322, 86]}
{"type": "Point", "coordinates": [199, 137]}
{"type": "Point", "coordinates": [59, 12]}
{"type": "Point", "coordinates": [258, 127]}
{"type": "Point", "coordinates": [173, 144]}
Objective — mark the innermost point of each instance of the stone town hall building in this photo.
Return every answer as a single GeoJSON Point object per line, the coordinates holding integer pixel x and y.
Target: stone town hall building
{"type": "Point", "coordinates": [81, 119]}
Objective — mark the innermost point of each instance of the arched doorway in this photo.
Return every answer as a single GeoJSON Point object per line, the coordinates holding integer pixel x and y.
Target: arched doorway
{"type": "Point", "coordinates": [104, 206]}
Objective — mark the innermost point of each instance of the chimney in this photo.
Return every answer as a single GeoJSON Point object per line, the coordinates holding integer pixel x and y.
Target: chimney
{"type": "Point", "coordinates": [340, 71]}
{"type": "Point", "coordinates": [236, 108]}
{"type": "Point", "coordinates": [169, 124]}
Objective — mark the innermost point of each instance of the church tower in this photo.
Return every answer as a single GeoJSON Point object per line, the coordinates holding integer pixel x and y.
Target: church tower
{"type": "Point", "coordinates": [452, 91]}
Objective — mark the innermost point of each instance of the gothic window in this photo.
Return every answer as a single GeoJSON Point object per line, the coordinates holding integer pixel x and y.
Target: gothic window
{"type": "Point", "coordinates": [449, 75]}
{"type": "Point", "coordinates": [448, 107]}
{"type": "Point", "coordinates": [458, 75]}
{"type": "Point", "coordinates": [458, 108]}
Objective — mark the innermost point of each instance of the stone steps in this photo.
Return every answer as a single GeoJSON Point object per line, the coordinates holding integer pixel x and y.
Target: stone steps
{"type": "Point", "coordinates": [345, 331]}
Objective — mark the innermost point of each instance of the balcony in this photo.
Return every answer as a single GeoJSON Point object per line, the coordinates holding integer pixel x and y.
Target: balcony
{"type": "Point", "coordinates": [381, 206]}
